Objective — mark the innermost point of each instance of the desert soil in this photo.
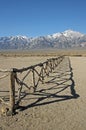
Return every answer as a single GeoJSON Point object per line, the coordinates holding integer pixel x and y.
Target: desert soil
{"type": "Point", "coordinates": [59, 104]}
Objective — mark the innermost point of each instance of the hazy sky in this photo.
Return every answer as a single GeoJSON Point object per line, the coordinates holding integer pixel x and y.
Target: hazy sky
{"type": "Point", "coordinates": [41, 17]}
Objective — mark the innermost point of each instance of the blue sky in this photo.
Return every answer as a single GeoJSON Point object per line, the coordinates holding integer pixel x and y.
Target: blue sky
{"type": "Point", "coordinates": [41, 17]}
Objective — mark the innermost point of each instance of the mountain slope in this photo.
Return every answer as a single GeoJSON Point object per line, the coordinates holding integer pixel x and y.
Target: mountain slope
{"type": "Point", "coordinates": [66, 39]}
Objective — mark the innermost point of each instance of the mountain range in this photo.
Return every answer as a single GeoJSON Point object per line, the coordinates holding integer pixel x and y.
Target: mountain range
{"type": "Point", "coordinates": [66, 39]}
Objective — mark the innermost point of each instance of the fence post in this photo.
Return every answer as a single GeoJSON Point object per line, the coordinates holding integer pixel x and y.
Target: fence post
{"type": "Point", "coordinates": [34, 86]}
{"type": "Point", "coordinates": [42, 74]}
{"type": "Point", "coordinates": [12, 92]}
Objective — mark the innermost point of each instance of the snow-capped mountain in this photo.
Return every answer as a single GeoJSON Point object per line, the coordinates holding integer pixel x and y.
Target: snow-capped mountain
{"type": "Point", "coordinates": [66, 39]}
{"type": "Point", "coordinates": [72, 34]}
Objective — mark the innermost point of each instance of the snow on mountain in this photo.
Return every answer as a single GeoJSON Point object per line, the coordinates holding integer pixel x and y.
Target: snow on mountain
{"type": "Point", "coordinates": [72, 34]}
{"type": "Point", "coordinates": [55, 35]}
{"type": "Point", "coordinates": [66, 39]}
{"type": "Point", "coordinates": [18, 38]}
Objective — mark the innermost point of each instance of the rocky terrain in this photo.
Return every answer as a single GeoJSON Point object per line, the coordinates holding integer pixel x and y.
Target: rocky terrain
{"type": "Point", "coordinates": [66, 39]}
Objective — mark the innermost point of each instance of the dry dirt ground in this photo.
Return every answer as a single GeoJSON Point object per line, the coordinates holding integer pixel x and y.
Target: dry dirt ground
{"type": "Point", "coordinates": [59, 104]}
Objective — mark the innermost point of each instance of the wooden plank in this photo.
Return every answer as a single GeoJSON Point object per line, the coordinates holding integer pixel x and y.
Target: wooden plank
{"type": "Point", "coordinates": [12, 92]}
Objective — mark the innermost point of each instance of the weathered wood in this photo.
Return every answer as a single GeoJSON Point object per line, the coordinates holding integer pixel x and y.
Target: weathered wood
{"type": "Point", "coordinates": [34, 86]}
{"type": "Point", "coordinates": [12, 92]}
{"type": "Point", "coordinates": [42, 75]}
{"type": "Point", "coordinates": [40, 65]}
{"type": "Point", "coordinates": [46, 68]}
{"type": "Point", "coordinates": [27, 68]}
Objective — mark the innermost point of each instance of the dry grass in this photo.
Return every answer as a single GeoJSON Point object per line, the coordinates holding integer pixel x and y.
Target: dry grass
{"type": "Point", "coordinates": [50, 52]}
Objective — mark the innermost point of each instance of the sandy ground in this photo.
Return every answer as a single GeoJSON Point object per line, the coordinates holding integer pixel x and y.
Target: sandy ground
{"type": "Point", "coordinates": [59, 104]}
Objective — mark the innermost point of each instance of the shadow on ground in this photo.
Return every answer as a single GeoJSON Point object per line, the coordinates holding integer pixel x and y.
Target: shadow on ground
{"type": "Point", "coordinates": [59, 83]}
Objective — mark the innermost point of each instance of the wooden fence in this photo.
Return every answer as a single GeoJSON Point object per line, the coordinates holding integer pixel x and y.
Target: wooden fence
{"type": "Point", "coordinates": [41, 70]}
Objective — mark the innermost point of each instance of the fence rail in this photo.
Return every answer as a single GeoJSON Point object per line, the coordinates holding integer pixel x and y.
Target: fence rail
{"type": "Point", "coordinates": [41, 70]}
